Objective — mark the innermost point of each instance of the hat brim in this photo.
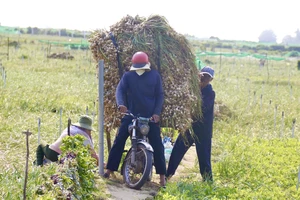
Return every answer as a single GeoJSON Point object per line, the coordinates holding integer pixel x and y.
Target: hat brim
{"type": "Point", "coordinates": [140, 66]}
{"type": "Point", "coordinates": [207, 73]}
{"type": "Point", "coordinates": [84, 126]}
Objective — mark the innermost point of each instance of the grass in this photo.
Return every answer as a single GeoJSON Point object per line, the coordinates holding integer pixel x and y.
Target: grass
{"type": "Point", "coordinates": [35, 88]}
{"type": "Point", "coordinates": [254, 155]}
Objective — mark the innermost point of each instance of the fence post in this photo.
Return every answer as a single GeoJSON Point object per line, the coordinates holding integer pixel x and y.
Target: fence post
{"type": "Point", "coordinates": [8, 48]}
{"type": "Point", "coordinates": [275, 117]}
{"type": "Point", "coordinates": [282, 124]}
{"type": "Point", "coordinates": [263, 87]}
{"type": "Point", "coordinates": [254, 98]}
{"type": "Point", "coordinates": [4, 78]}
{"type": "Point", "coordinates": [293, 127]}
{"type": "Point", "coordinates": [27, 133]}
{"type": "Point", "coordinates": [101, 115]}
{"type": "Point", "coordinates": [39, 129]}
{"type": "Point", "coordinates": [60, 123]}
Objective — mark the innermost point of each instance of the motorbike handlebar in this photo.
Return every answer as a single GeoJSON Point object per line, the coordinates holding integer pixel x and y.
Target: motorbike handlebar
{"type": "Point", "coordinates": [132, 115]}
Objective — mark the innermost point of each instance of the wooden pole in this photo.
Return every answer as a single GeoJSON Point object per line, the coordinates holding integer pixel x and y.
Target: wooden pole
{"type": "Point", "coordinates": [8, 48]}
{"type": "Point", "coordinates": [39, 130]}
{"type": "Point", "coordinates": [282, 124]}
{"type": "Point", "coordinates": [275, 112]}
{"type": "Point", "coordinates": [293, 127]}
{"type": "Point", "coordinates": [69, 125]}
{"type": "Point", "coordinates": [27, 133]}
{"type": "Point", "coordinates": [60, 121]}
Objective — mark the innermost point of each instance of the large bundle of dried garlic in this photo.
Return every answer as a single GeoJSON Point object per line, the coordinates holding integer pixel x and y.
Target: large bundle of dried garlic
{"type": "Point", "coordinates": [169, 53]}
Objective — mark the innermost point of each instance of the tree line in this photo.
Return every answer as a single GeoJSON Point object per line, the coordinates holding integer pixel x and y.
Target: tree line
{"type": "Point", "coordinates": [50, 31]}
{"type": "Point", "coordinates": [270, 36]}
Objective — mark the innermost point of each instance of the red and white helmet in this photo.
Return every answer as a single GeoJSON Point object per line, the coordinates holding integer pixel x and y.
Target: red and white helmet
{"type": "Point", "coordinates": [139, 59]}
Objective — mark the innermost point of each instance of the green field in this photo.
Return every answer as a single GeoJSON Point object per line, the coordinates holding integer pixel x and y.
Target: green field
{"type": "Point", "coordinates": [255, 143]}
{"type": "Point", "coordinates": [256, 152]}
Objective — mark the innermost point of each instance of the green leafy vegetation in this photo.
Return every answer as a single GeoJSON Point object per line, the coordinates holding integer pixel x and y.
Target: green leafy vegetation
{"type": "Point", "coordinates": [39, 88]}
{"type": "Point", "coordinates": [255, 152]}
{"type": "Point", "coordinates": [74, 177]}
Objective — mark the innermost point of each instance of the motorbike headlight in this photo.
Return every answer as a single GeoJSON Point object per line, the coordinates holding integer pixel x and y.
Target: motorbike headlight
{"type": "Point", "coordinates": [144, 129]}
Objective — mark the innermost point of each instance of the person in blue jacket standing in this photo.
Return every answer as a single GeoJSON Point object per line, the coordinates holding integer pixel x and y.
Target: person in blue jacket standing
{"type": "Point", "coordinates": [202, 129]}
{"type": "Point", "coordinates": [139, 91]}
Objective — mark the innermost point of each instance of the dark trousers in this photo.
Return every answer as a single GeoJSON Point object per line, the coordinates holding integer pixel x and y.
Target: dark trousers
{"type": "Point", "coordinates": [42, 151]}
{"type": "Point", "coordinates": [117, 149]}
{"type": "Point", "coordinates": [203, 147]}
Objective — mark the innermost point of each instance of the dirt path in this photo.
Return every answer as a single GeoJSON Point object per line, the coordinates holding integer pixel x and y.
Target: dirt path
{"type": "Point", "coordinates": [118, 191]}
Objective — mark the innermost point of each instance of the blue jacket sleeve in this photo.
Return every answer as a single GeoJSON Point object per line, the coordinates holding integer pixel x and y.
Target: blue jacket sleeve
{"type": "Point", "coordinates": [159, 92]}
{"type": "Point", "coordinates": [121, 92]}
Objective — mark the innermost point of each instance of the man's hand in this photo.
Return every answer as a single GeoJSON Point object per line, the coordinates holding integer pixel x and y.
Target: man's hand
{"type": "Point", "coordinates": [122, 109]}
{"type": "Point", "coordinates": [155, 118]}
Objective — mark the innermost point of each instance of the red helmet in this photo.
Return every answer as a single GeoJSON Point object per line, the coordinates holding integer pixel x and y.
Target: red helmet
{"type": "Point", "coordinates": [140, 58]}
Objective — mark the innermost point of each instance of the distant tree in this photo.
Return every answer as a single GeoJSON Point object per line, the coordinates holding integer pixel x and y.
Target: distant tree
{"type": "Point", "coordinates": [298, 36]}
{"type": "Point", "coordinates": [292, 40]}
{"type": "Point", "coordinates": [262, 47]}
{"type": "Point", "coordinates": [36, 30]}
{"type": "Point", "coordinates": [63, 32]}
{"type": "Point", "coordinates": [288, 40]}
{"type": "Point", "coordinates": [294, 54]}
{"type": "Point", "coordinates": [267, 36]}
{"type": "Point", "coordinates": [29, 30]}
{"type": "Point", "coordinates": [277, 47]}
{"type": "Point", "coordinates": [294, 48]}
{"type": "Point", "coordinates": [43, 31]}
{"type": "Point", "coordinates": [214, 38]}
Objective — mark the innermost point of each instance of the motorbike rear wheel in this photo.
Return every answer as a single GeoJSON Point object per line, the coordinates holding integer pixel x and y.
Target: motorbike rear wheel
{"type": "Point", "coordinates": [136, 174]}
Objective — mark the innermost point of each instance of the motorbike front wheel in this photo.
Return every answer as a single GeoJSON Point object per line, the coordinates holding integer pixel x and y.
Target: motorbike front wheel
{"type": "Point", "coordinates": [136, 174]}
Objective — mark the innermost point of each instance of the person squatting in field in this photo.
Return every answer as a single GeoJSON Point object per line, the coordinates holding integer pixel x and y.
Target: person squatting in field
{"type": "Point", "coordinates": [140, 92]}
{"type": "Point", "coordinates": [51, 152]}
{"type": "Point", "coordinates": [202, 129]}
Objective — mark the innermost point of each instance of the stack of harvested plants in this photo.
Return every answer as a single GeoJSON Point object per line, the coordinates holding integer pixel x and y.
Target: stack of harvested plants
{"type": "Point", "coordinates": [169, 53]}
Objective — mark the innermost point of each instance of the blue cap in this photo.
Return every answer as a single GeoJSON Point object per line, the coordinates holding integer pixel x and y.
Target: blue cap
{"type": "Point", "coordinates": [208, 70]}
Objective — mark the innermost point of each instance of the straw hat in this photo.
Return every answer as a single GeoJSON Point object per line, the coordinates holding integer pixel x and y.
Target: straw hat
{"type": "Point", "coordinates": [85, 122]}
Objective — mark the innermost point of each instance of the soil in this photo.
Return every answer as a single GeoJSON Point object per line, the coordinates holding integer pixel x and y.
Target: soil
{"type": "Point", "coordinates": [118, 191]}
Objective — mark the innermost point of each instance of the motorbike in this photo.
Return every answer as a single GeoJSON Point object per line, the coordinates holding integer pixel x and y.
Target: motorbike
{"type": "Point", "coordinates": [138, 162]}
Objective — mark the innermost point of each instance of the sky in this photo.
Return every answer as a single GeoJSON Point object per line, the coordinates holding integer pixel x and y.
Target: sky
{"type": "Point", "coordinates": [225, 19]}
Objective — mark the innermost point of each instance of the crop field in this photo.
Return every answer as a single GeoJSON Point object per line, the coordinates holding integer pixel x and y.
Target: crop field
{"type": "Point", "coordinates": [39, 90]}
{"type": "Point", "coordinates": [255, 153]}
{"type": "Point", "coordinates": [256, 149]}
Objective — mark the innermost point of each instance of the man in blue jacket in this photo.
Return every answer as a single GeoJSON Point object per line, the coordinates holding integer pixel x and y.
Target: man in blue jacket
{"type": "Point", "coordinates": [140, 91]}
{"type": "Point", "coordinates": [202, 129]}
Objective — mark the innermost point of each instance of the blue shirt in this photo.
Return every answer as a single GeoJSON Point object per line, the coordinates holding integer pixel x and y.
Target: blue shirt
{"type": "Point", "coordinates": [141, 95]}
{"type": "Point", "coordinates": [203, 127]}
